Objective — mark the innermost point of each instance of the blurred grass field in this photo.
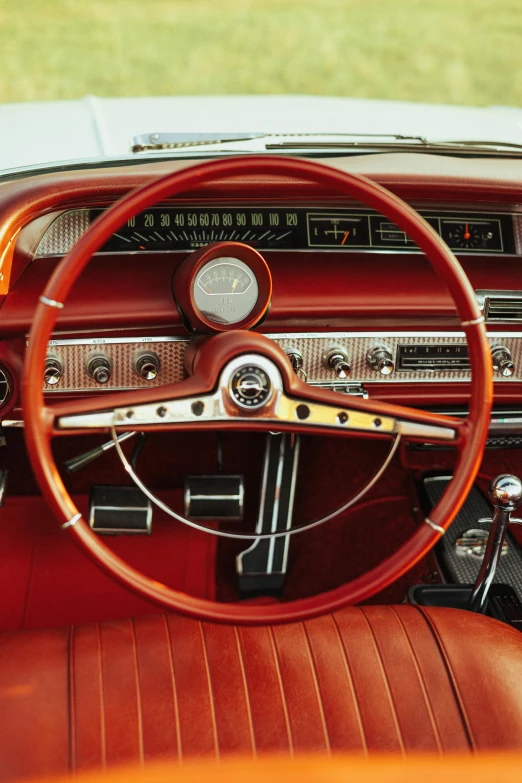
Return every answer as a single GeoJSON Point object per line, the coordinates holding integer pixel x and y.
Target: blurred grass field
{"type": "Point", "coordinates": [448, 51]}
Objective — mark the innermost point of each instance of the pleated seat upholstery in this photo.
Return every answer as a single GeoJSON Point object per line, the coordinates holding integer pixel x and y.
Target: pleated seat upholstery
{"type": "Point", "coordinates": [373, 679]}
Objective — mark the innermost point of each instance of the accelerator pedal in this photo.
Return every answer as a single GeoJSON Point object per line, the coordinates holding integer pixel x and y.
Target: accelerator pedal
{"type": "Point", "coordinates": [261, 568]}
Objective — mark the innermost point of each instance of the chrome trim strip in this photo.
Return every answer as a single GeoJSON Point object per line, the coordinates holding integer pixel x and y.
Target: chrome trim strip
{"type": "Point", "coordinates": [434, 526]}
{"type": "Point", "coordinates": [297, 451]}
{"type": "Point", "coordinates": [51, 302]}
{"type": "Point", "coordinates": [376, 333]}
{"type": "Point", "coordinates": [76, 518]}
{"type": "Point", "coordinates": [118, 341]}
{"type": "Point", "coordinates": [260, 511]}
{"type": "Point", "coordinates": [407, 250]}
{"type": "Point", "coordinates": [474, 322]}
{"type": "Point", "coordinates": [275, 507]}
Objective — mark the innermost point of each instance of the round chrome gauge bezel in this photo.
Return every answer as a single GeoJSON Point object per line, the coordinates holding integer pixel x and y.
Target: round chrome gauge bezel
{"type": "Point", "coordinates": [226, 307]}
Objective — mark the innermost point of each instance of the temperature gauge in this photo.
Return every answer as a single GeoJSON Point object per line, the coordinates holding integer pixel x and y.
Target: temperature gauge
{"type": "Point", "coordinates": [337, 230]}
{"type": "Point", "coordinates": [478, 235]}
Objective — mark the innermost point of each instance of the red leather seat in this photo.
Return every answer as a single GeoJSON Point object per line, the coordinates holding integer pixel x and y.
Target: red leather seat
{"type": "Point", "coordinates": [396, 679]}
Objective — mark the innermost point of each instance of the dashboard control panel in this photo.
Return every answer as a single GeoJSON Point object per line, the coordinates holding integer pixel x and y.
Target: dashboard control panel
{"type": "Point", "coordinates": [339, 360]}
{"type": "Point", "coordinates": [293, 227]}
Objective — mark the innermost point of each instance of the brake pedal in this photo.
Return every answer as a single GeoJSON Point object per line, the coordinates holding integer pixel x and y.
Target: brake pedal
{"type": "Point", "coordinates": [119, 511]}
{"type": "Point", "coordinates": [219, 496]}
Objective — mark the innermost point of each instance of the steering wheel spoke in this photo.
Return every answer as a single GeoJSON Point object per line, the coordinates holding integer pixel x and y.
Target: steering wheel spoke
{"type": "Point", "coordinates": [253, 391]}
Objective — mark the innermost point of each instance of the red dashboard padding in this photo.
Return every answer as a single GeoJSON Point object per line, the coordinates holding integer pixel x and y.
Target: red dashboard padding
{"type": "Point", "coordinates": [378, 679]}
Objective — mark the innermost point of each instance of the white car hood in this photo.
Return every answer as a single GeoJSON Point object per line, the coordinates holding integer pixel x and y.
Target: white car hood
{"type": "Point", "coordinates": [51, 131]}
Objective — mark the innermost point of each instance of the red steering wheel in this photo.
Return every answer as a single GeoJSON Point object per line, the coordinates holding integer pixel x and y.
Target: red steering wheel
{"type": "Point", "coordinates": [327, 411]}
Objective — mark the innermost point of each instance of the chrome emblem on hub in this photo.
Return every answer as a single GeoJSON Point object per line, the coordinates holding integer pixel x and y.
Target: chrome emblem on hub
{"type": "Point", "coordinates": [250, 387]}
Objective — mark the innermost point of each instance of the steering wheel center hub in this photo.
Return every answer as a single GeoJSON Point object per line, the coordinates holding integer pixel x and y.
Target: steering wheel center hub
{"type": "Point", "coordinates": [250, 387]}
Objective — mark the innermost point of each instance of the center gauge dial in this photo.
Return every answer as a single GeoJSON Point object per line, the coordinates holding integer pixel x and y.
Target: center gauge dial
{"type": "Point", "coordinates": [226, 290]}
{"type": "Point", "coordinates": [226, 285]}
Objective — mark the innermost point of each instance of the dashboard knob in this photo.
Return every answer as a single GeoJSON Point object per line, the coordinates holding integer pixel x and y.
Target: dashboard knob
{"type": "Point", "coordinates": [502, 361]}
{"type": "Point", "coordinates": [380, 359]}
{"type": "Point", "coordinates": [147, 365]}
{"type": "Point", "coordinates": [53, 370]}
{"type": "Point", "coordinates": [99, 368]}
{"type": "Point", "coordinates": [337, 360]}
{"type": "Point", "coordinates": [296, 359]}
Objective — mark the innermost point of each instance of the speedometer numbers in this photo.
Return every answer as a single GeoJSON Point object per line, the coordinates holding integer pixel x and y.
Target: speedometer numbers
{"type": "Point", "coordinates": [183, 228]}
{"type": "Point", "coordinates": [224, 286]}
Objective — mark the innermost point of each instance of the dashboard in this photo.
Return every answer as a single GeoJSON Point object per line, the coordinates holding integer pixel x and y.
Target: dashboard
{"type": "Point", "coordinates": [349, 298]}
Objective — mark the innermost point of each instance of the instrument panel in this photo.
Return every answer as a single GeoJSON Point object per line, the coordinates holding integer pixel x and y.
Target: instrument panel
{"type": "Point", "coordinates": [335, 360]}
{"type": "Point", "coordinates": [186, 228]}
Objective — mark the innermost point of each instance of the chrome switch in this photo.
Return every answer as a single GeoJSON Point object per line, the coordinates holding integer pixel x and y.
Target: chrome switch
{"type": "Point", "coordinates": [147, 365]}
{"type": "Point", "coordinates": [296, 359]}
{"type": "Point", "coordinates": [99, 368]}
{"type": "Point", "coordinates": [380, 359]}
{"type": "Point", "coordinates": [502, 361]}
{"type": "Point", "coordinates": [336, 359]}
{"type": "Point", "coordinates": [53, 370]}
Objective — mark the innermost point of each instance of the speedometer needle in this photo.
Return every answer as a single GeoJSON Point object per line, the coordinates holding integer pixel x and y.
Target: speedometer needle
{"type": "Point", "coordinates": [467, 235]}
{"type": "Point", "coordinates": [346, 235]}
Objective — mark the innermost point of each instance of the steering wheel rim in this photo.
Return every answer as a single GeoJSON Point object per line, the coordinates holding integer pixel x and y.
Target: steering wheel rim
{"type": "Point", "coordinates": [39, 418]}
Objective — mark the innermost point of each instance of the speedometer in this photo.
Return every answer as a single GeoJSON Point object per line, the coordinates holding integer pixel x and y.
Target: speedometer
{"type": "Point", "coordinates": [226, 290]}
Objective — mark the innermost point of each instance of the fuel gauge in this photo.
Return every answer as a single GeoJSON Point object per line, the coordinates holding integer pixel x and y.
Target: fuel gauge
{"type": "Point", "coordinates": [473, 234]}
{"type": "Point", "coordinates": [337, 230]}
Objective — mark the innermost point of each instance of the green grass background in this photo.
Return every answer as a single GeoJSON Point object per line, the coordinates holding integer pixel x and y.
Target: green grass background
{"type": "Point", "coordinates": [449, 51]}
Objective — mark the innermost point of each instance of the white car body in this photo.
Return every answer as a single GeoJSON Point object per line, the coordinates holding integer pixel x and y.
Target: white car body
{"type": "Point", "coordinates": [39, 133]}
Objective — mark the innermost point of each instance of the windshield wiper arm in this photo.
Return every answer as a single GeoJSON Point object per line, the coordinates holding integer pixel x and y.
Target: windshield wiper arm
{"type": "Point", "coordinates": [477, 143]}
{"type": "Point", "coordinates": [374, 142]}
{"type": "Point", "coordinates": [147, 142]}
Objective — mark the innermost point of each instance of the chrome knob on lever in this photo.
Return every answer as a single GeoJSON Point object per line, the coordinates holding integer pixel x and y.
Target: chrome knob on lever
{"type": "Point", "coordinates": [296, 359]}
{"type": "Point", "coordinates": [380, 359]}
{"type": "Point", "coordinates": [337, 360]}
{"type": "Point", "coordinates": [502, 361]}
{"type": "Point", "coordinates": [505, 493]}
{"type": "Point", "coordinates": [99, 367]}
{"type": "Point", "coordinates": [53, 370]}
{"type": "Point", "coordinates": [147, 365]}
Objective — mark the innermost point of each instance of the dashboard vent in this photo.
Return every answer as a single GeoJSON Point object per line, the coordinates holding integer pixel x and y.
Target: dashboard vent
{"type": "Point", "coordinates": [501, 306]}
{"type": "Point", "coordinates": [6, 386]}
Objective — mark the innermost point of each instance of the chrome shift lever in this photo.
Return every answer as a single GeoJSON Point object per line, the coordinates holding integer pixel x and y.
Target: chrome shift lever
{"type": "Point", "coordinates": [505, 494]}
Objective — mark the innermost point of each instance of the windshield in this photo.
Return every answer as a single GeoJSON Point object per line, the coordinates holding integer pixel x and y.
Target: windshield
{"type": "Point", "coordinates": [98, 79]}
